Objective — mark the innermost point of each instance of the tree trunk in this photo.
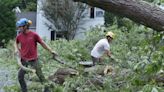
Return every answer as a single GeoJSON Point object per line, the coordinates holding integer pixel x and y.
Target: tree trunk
{"type": "Point", "coordinates": [100, 70]}
{"type": "Point", "coordinates": [139, 11]}
{"type": "Point", "coordinates": [61, 74]}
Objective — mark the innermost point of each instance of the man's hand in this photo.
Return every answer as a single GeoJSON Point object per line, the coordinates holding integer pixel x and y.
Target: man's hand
{"type": "Point", "coordinates": [112, 58]}
{"type": "Point", "coordinates": [54, 55]}
{"type": "Point", "coordinates": [17, 53]}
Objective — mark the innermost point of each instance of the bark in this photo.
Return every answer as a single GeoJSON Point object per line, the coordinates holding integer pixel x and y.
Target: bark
{"type": "Point", "coordinates": [66, 71]}
{"type": "Point", "coordinates": [100, 70]}
{"type": "Point", "coordinates": [139, 11]}
{"type": "Point", "coordinates": [96, 81]}
{"type": "Point", "coordinates": [61, 74]}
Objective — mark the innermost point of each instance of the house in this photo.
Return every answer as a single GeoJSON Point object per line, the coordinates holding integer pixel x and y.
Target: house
{"type": "Point", "coordinates": [94, 17]}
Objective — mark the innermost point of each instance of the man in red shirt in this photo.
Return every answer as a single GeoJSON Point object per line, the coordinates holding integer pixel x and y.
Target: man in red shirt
{"type": "Point", "coordinates": [26, 46]}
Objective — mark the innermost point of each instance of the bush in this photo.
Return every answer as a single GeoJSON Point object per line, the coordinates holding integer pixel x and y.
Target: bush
{"type": "Point", "coordinates": [138, 54]}
{"type": "Point", "coordinates": [7, 21]}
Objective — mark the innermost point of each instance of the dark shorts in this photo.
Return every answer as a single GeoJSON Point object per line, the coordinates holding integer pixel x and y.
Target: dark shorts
{"type": "Point", "coordinates": [95, 60]}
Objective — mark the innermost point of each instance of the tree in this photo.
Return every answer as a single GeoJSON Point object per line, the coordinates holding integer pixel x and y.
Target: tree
{"type": "Point", "coordinates": [65, 15]}
{"type": "Point", "coordinates": [137, 10]}
{"type": "Point", "coordinates": [28, 5]}
{"type": "Point", "coordinates": [111, 19]}
{"type": "Point", "coordinates": [7, 21]}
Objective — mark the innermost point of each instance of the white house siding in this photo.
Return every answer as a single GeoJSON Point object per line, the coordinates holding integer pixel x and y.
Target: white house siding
{"type": "Point", "coordinates": [41, 28]}
{"type": "Point", "coordinates": [87, 23]}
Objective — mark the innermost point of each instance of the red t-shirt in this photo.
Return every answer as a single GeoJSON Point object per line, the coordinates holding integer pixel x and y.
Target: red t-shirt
{"type": "Point", "coordinates": [28, 43]}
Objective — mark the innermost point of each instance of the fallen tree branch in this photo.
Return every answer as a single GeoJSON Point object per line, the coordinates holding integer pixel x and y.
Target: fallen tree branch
{"type": "Point", "coordinates": [23, 67]}
{"type": "Point", "coordinates": [100, 70]}
{"type": "Point", "coordinates": [61, 74]}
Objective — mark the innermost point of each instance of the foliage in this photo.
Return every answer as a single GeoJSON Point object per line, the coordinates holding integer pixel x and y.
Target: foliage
{"type": "Point", "coordinates": [28, 5]}
{"type": "Point", "coordinates": [111, 19]}
{"type": "Point", "coordinates": [7, 21]}
{"type": "Point", "coordinates": [155, 1]}
{"type": "Point", "coordinates": [138, 52]}
{"type": "Point", "coordinates": [65, 16]}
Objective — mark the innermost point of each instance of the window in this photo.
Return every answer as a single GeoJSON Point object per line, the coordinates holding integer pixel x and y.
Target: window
{"type": "Point", "coordinates": [99, 13]}
{"type": "Point", "coordinates": [92, 11]}
{"type": "Point", "coordinates": [52, 35]}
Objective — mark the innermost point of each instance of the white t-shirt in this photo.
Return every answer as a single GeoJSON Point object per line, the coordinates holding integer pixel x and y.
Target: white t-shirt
{"type": "Point", "coordinates": [100, 48]}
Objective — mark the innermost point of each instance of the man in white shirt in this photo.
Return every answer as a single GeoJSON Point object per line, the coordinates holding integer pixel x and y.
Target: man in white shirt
{"type": "Point", "coordinates": [102, 47]}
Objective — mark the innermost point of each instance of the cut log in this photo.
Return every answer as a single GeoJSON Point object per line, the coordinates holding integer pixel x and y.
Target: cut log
{"type": "Point", "coordinates": [62, 73]}
{"type": "Point", "coordinates": [137, 10]}
{"type": "Point", "coordinates": [66, 71]}
{"type": "Point", "coordinates": [59, 79]}
{"type": "Point", "coordinates": [100, 70]}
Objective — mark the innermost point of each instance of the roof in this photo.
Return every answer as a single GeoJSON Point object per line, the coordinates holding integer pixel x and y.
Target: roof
{"type": "Point", "coordinates": [29, 15]}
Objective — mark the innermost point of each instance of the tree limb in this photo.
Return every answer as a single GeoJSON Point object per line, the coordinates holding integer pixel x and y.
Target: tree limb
{"type": "Point", "coordinates": [23, 67]}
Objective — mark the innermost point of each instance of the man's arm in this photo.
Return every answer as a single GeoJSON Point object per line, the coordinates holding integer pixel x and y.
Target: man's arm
{"type": "Point", "coordinates": [45, 46]}
{"type": "Point", "coordinates": [108, 53]}
{"type": "Point", "coordinates": [16, 47]}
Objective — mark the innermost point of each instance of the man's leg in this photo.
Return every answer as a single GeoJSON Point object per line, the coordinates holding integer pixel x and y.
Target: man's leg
{"type": "Point", "coordinates": [100, 61]}
{"type": "Point", "coordinates": [37, 67]}
{"type": "Point", "coordinates": [35, 64]}
{"type": "Point", "coordinates": [21, 79]}
{"type": "Point", "coordinates": [95, 60]}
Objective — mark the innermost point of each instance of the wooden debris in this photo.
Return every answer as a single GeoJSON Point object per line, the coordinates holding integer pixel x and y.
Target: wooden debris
{"type": "Point", "coordinates": [96, 81]}
{"type": "Point", "coordinates": [62, 73]}
{"type": "Point", "coordinates": [66, 71]}
{"type": "Point", "coordinates": [100, 70]}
